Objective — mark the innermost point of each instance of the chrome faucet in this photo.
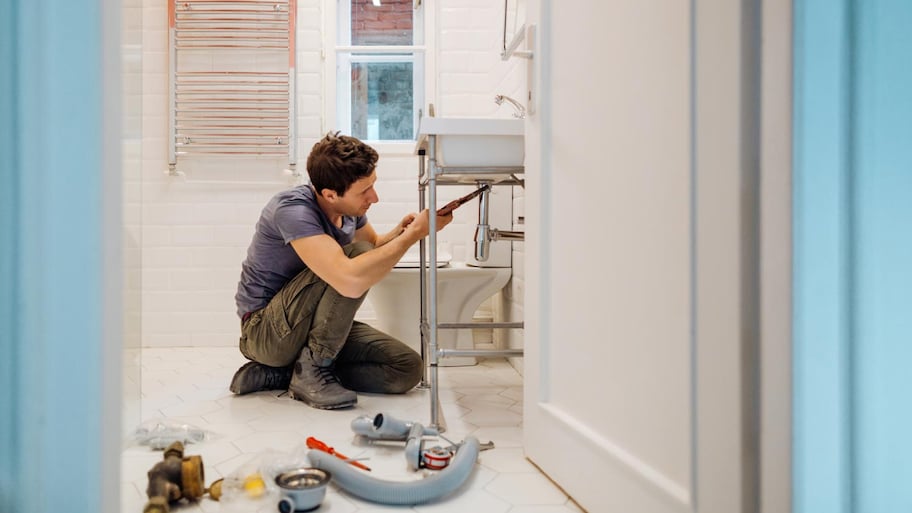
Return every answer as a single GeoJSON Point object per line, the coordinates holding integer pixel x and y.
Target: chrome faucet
{"type": "Point", "coordinates": [518, 107]}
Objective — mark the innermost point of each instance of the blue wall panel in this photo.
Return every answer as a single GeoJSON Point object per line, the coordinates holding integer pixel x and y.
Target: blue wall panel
{"type": "Point", "coordinates": [853, 256]}
{"type": "Point", "coordinates": [822, 218]}
{"type": "Point", "coordinates": [8, 255]}
{"type": "Point", "coordinates": [882, 242]}
{"type": "Point", "coordinates": [52, 321]}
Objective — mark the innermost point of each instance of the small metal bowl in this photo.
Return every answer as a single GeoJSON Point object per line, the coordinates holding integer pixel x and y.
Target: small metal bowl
{"type": "Point", "coordinates": [302, 489]}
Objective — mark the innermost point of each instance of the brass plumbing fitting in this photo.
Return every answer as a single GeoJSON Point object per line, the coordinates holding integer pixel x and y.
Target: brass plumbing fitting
{"type": "Point", "coordinates": [177, 477]}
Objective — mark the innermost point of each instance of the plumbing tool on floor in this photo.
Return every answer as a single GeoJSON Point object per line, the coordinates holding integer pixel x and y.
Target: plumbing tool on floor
{"type": "Point", "coordinates": [313, 443]}
{"type": "Point", "coordinates": [177, 477]}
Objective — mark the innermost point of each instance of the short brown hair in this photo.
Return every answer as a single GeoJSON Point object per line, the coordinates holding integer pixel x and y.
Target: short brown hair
{"type": "Point", "coordinates": [338, 161]}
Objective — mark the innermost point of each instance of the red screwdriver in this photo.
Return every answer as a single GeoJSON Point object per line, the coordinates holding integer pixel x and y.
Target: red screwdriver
{"type": "Point", "coordinates": [313, 443]}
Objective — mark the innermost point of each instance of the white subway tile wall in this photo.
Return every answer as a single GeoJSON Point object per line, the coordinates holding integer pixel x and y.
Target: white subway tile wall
{"type": "Point", "coordinates": [195, 228]}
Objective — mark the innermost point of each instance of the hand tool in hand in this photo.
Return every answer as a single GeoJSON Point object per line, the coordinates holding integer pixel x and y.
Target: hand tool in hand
{"type": "Point", "coordinates": [451, 206]}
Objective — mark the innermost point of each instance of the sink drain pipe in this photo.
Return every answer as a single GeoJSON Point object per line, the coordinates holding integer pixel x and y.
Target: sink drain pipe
{"type": "Point", "coordinates": [400, 493]}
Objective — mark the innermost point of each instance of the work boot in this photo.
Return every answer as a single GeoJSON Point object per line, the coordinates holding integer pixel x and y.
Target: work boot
{"type": "Point", "coordinates": [254, 377]}
{"type": "Point", "coordinates": [316, 385]}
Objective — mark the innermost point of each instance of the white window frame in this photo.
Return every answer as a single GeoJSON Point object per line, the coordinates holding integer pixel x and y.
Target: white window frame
{"type": "Point", "coordinates": [337, 92]}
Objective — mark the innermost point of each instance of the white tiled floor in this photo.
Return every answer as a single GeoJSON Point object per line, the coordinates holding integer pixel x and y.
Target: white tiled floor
{"type": "Point", "coordinates": [190, 385]}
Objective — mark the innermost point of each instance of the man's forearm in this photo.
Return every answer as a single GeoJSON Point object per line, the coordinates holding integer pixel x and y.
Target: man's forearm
{"type": "Point", "coordinates": [370, 267]}
{"type": "Point", "coordinates": [392, 234]}
{"type": "Point", "coordinates": [363, 271]}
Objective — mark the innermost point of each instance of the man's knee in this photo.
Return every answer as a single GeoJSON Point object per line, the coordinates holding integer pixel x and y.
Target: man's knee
{"type": "Point", "coordinates": [410, 370]}
{"type": "Point", "coordinates": [356, 248]}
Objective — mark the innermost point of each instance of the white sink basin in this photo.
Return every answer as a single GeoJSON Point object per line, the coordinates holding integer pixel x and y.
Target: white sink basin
{"type": "Point", "coordinates": [474, 142]}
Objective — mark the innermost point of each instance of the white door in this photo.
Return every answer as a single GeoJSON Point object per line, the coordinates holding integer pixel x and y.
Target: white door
{"type": "Point", "coordinates": [641, 291]}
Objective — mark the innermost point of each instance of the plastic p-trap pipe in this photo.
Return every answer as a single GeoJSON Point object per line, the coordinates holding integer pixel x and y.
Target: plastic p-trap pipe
{"type": "Point", "coordinates": [400, 493]}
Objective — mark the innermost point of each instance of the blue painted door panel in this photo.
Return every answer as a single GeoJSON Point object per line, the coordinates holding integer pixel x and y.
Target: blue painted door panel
{"type": "Point", "coordinates": [853, 256]}
{"type": "Point", "coordinates": [882, 245]}
{"type": "Point", "coordinates": [54, 443]}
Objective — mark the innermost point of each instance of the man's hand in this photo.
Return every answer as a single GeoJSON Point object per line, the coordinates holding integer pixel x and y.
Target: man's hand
{"type": "Point", "coordinates": [420, 225]}
{"type": "Point", "coordinates": [407, 220]}
{"type": "Point", "coordinates": [417, 231]}
{"type": "Point", "coordinates": [392, 234]}
{"type": "Point", "coordinates": [442, 221]}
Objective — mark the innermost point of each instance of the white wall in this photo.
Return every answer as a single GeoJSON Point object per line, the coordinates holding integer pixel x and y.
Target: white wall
{"type": "Point", "coordinates": [195, 228]}
{"type": "Point", "coordinates": [131, 90]}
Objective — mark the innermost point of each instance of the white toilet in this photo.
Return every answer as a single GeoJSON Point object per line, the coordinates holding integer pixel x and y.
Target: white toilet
{"type": "Point", "coordinates": [460, 291]}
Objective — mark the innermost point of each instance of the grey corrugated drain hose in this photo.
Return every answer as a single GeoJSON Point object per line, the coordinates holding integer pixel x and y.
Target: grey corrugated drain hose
{"type": "Point", "coordinates": [399, 493]}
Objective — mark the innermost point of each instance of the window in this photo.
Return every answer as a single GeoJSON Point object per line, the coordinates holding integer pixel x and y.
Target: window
{"type": "Point", "coordinates": [379, 68]}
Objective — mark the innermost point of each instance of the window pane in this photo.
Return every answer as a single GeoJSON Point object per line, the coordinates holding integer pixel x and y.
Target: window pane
{"type": "Point", "coordinates": [390, 23]}
{"type": "Point", "coordinates": [382, 102]}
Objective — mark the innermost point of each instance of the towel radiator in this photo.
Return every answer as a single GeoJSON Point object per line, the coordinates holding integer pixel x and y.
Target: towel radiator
{"type": "Point", "coordinates": [232, 79]}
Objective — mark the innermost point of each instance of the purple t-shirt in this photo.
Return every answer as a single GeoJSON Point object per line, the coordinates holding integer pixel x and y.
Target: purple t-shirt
{"type": "Point", "coordinates": [271, 261]}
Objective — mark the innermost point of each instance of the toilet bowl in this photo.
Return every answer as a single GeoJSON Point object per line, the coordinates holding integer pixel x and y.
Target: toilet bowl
{"type": "Point", "coordinates": [460, 290]}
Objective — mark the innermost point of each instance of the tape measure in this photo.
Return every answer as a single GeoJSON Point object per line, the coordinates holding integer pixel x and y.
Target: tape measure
{"type": "Point", "coordinates": [436, 458]}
